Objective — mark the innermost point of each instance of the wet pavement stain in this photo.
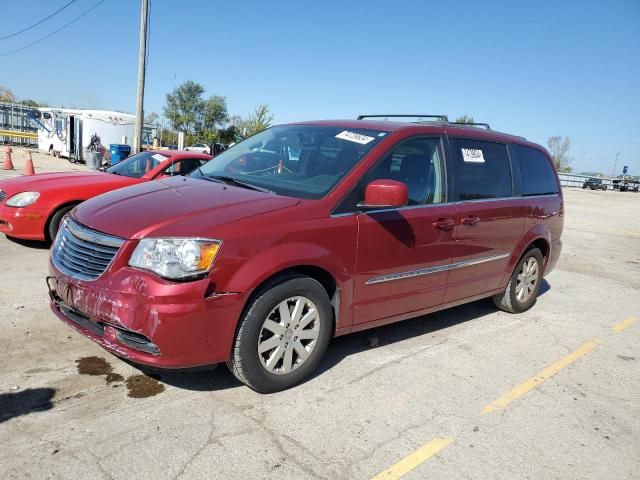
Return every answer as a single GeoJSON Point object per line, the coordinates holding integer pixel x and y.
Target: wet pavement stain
{"type": "Point", "coordinates": [93, 366]}
{"type": "Point", "coordinates": [114, 377]}
{"type": "Point", "coordinates": [141, 386]}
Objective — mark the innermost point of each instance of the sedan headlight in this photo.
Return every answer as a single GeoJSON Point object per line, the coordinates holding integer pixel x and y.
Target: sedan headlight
{"type": "Point", "coordinates": [176, 258]}
{"type": "Point", "coordinates": [22, 199]}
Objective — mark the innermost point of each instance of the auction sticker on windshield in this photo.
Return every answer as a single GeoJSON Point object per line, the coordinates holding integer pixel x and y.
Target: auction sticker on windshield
{"type": "Point", "coordinates": [160, 158]}
{"type": "Point", "coordinates": [354, 137]}
{"type": "Point", "coordinates": [472, 155]}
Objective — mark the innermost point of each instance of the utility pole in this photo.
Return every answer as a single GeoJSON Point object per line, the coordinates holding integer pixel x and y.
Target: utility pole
{"type": "Point", "coordinates": [615, 165]}
{"type": "Point", "coordinates": [142, 57]}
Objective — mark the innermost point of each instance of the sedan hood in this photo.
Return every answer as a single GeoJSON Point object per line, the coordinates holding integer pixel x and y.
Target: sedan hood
{"type": "Point", "coordinates": [174, 207]}
{"type": "Point", "coordinates": [43, 182]}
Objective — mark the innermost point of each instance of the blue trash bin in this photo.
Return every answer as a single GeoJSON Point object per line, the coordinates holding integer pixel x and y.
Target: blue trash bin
{"type": "Point", "coordinates": [118, 152]}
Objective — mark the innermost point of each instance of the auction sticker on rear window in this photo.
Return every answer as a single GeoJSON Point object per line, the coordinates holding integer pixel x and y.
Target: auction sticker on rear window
{"type": "Point", "coordinates": [354, 137]}
{"type": "Point", "coordinates": [472, 155]}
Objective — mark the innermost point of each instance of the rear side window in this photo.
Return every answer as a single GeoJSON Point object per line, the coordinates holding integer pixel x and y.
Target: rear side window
{"type": "Point", "coordinates": [536, 173]}
{"type": "Point", "coordinates": [481, 170]}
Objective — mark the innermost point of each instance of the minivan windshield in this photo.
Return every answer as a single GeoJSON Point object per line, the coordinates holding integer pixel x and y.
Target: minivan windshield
{"type": "Point", "coordinates": [303, 161]}
{"type": "Point", "coordinates": [137, 165]}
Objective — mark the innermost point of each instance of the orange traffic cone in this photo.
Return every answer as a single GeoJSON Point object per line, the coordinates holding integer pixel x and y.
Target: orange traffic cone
{"type": "Point", "coordinates": [28, 166]}
{"type": "Point", "coordinates": [8, 164]}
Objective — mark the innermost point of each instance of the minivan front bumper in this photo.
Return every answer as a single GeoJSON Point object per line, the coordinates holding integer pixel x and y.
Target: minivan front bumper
{"type": "Point", "coordinates": [148, 320]}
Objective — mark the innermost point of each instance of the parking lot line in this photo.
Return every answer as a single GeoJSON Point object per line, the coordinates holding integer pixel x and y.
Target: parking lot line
{"type": "Point", "coordinates": [627, 322]}
{"type": "Point", "coordinates": [414, 459]}
{"type": "Point", "coordinates": [545, 374]}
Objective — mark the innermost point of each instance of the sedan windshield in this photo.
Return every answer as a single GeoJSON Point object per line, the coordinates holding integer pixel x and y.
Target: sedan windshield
{"type": "Point", "coordinates": [295, 160]}
{"type": "Point", "coordinates": [137, 165]}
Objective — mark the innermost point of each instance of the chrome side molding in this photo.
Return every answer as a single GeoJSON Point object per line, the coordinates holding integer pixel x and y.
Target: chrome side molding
{"type": "Point", "coordinates": [430, 270]}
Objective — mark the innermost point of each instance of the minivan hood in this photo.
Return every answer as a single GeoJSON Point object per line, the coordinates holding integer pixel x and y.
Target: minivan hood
{"type": "Point", "coordinates": [178, 206]}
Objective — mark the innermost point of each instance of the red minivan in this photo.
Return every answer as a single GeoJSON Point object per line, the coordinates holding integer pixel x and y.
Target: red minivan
{"type": "Point", "coordinates": [304, 232]}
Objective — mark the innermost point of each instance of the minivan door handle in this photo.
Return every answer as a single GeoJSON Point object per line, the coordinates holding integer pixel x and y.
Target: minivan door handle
{"type": "Point", "coordinates": [470, 220]}
{"type": "Point", "coordinates": [444, 223]}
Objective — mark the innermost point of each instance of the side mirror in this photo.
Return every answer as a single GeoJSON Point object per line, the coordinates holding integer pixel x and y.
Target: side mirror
{"type": "Point", "coordinates": [385, 193]}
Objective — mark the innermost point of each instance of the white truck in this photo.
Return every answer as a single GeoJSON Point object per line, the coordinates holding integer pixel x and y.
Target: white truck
{"type": "Point", "coordinates": [68, 132]}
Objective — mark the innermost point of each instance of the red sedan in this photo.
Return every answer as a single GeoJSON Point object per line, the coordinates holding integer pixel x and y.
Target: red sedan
{"type": "Point", "coordinates": [31, 207]}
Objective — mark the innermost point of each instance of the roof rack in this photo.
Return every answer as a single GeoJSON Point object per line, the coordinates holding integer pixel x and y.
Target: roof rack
{"type": "Point", "coordinates": [472, 124]}
{"type": "Point", "coordinates": [440, 118]}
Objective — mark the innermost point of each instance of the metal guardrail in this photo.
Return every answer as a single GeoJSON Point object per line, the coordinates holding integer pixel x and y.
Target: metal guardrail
{"type": "Point", "coordinates": [15, 134]}
{"type": "Point", "coordinates": [15, 125]}
{"type": "Point", "coordinates": [575, 180]}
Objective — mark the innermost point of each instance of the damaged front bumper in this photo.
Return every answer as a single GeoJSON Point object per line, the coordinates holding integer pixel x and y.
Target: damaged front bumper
{"type": "Point", "coordinates": [148, 320]}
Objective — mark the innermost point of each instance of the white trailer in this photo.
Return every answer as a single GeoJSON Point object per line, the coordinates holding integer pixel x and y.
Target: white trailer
{"type": "Point", "coordinates": [67, 132]}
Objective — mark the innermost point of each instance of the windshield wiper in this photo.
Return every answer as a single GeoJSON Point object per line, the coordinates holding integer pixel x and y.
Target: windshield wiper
{"type": "Point", "coordinates": [238, 183]}
{"type": "Point", "coordinates": [203, 176]}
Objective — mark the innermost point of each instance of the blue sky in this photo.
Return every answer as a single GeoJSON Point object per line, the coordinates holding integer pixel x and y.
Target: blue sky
{"type": "Point", "coordinates": [536, 69]}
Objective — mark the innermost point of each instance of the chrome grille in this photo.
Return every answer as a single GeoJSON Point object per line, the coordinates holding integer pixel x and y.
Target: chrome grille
{"type": "Point", "coordinates": [3, 195]}
{"type": "Point", "coordinates": [81, 252]}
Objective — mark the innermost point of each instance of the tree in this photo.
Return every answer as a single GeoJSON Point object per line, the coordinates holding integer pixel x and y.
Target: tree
{"type": "Point", "coordinates": [465, 119]}
{"type": "Point", "coordinates": [257, 121]}
{"type": "Point", "coordinates": [185, 107]}
{"type": "Point", "coordinates": [7, 95]}
{"type": "Point", "coordinates": [214, 117]}
{"type": "Point", "coordinates": [29, 103]}
{"type": "Point", "coordinates": [151, 118]}
{"type": "Point", "coordinates": [559, 147]}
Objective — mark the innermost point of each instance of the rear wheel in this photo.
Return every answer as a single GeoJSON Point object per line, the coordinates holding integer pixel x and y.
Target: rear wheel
{"type": "Point", "coordinates": [523, 287]}
{"type": "Point", "coordinates": [54, 223]}
{"type": "Point", "coordinates": [283, 334]}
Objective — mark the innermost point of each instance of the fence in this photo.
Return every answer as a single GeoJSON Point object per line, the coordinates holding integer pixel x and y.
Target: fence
{"type": "Point", "coordinates": [15, 125]}
{"type": "Point", "coordinates": [575, 180]}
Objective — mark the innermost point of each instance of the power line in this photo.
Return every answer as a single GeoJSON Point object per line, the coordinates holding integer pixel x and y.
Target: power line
{"type": "Point", "coordinates": [36, 24]}
{"type": "Point", "coordinates": [52, 33]}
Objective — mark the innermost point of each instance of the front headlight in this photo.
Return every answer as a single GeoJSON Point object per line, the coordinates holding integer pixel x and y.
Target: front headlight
{"type": "Point", "coordinates": [175, 258]}
{"type": "Point", "coordinates": [22, 199]}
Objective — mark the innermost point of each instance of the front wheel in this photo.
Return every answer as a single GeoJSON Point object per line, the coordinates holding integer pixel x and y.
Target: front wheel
{"type": "Point", "coordinates": [523, 287]}
{"type": "Point", "coordinates": [283, 335]}
{"type": "Point", "coordinates": [54, 223]}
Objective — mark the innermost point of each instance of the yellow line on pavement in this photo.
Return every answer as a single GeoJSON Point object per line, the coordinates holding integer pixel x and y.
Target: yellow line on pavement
{"type": "Point", "coordinates": [545, 374]}
{"type": "Point", "coordinates": [627, 322]}
{"type": "Point", "coordinates": [414, 459]}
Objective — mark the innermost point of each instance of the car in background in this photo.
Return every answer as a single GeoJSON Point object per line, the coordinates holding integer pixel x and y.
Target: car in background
{"type": "Point", "coordinates": [31, 207]}
{"type": "Point", "coordinates": [626, 185]}
{"type": "Point", "coordinates": [594, 184]}
{"type": "Point", "coordinates": [307, 231]}
{"type": "Point", "coordinates": [199, 147]}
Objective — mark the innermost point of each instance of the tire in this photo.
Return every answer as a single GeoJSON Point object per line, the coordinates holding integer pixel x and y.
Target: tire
{"type": "Point", "coordinates": [512, 300]}
{"type": "Point", "coordinates": [54, 223]}
{"type": "Point", "coordinates": [297, 293]}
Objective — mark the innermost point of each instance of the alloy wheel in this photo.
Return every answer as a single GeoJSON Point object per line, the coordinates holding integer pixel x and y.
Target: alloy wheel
{"type": "Point", "coordinates": [527, 280]}
{"type": "Point", "coordinates": [288, 335]}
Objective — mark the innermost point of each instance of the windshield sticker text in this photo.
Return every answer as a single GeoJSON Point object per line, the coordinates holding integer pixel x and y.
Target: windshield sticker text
{"type": "Point", "coordinates": [472, 155]}
{"type": "Point", "coordinates": [354, 137]}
